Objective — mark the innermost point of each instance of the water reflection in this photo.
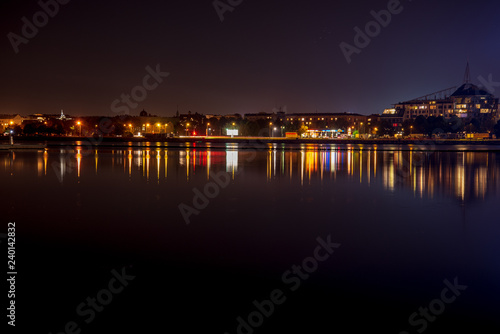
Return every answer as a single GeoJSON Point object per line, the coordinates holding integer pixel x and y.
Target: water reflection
{"type": "Point", "coordinates": [462, 175]}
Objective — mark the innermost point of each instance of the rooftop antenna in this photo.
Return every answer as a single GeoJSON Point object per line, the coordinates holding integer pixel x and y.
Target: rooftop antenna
{"type": "Point", "coordinates": [467, 73]}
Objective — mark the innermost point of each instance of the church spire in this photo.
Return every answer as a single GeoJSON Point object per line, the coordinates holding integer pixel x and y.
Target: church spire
{"type": "Point", "coordinates": [467, 74]}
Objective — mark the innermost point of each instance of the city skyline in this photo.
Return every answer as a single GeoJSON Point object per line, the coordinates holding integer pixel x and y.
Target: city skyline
{"type": "Point", "coordinates": [309, 58]}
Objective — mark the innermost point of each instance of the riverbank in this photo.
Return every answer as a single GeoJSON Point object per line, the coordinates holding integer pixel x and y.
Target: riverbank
{"type": "Point", "coordinates": [56, 140]}
{"type": "Point", "coordinates": [22, 146]}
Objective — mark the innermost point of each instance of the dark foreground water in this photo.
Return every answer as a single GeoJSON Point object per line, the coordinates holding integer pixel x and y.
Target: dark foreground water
{"type": "Point", "coordinates": [283, 239]}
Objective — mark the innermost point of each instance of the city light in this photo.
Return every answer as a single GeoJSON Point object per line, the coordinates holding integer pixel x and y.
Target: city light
{"type": "Point", "coordinates": [232, 132]}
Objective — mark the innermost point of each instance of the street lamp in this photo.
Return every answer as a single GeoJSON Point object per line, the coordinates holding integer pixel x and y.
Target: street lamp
{"type": "Point", "coordinates": [80, 125]}
{"type": "Point", "coordinates": [270, 124]}
{"type": "Point", "coordinates": [206, 131]}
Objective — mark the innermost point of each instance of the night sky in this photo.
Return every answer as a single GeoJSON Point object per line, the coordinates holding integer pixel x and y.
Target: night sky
{"type": "Point", "coordinates": [263, 54]}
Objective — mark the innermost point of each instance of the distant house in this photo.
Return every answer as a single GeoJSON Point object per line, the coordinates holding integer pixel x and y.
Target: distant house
{"type": "Point", "coordinates": [11, 120]}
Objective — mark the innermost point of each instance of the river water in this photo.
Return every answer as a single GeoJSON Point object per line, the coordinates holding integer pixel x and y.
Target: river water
{"type": "Point", "coordinates": [231, 238]}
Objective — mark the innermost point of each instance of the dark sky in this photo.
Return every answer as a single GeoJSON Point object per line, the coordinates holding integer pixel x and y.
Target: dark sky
{"type": "Point", "coordinates": [264, 54]}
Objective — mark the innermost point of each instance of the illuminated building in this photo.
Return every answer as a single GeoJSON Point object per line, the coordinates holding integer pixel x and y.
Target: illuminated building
{"type": "Point", "coordinates": [468, 101]}
{"type": "Point", "coordinates": [11, 120]}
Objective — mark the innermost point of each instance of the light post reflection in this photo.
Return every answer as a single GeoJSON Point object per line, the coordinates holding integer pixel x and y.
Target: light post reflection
{"type": "Point", "coordinates": [232, 160]}
{"type": "Point", "coordinates": [462, 175]}
{"type": "Point", "coordinates": [79, 161]}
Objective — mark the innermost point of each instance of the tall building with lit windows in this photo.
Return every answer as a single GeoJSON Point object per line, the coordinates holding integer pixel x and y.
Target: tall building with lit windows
{"type": "Point", "coordinates": [468, 101]}
{"type": "Point", "coordinates": [433, 107]}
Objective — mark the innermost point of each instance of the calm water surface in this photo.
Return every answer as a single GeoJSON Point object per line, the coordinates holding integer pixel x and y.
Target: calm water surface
{"type": "Point", "coordinates": [207, 231]}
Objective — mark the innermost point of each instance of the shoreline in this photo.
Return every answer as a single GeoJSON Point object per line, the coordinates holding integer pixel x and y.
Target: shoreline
{"type": "Point", "coordinates": [53, 141]}
{"type": "Point", "coordinates": [264, 140]}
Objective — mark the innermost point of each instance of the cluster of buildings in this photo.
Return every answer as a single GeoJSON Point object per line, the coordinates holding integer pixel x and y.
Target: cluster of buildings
{"type": "Point", "coordinates": [318, 125]}
{"type": "Point", "coordinates": [466, 102]}
{"type": "Point", "coordinates": [276, 123]}
{"type": "Point", "coordinates": [13, 120]}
